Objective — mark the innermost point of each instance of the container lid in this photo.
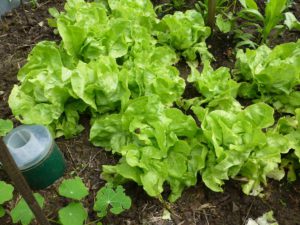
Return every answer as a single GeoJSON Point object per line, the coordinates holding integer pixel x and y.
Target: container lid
{"type": "Point", "coordinates": [28, 144]}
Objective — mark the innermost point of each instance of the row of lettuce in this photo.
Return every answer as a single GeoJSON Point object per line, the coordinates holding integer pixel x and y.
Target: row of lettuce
{"type": "Point", "coordinates": [116, 63]}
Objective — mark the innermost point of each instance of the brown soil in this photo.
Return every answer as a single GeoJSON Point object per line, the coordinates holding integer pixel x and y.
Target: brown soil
{"type": "Point", "coordinates": [198, 205]}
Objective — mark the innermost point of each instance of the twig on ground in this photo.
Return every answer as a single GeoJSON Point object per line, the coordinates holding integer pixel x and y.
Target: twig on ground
{"type": "Point", "coordinates": [248, 212]}
{"type": "Point", "coordinates": [3, 35]}
{"type": "Point", "coordinates": [91, 159]}
{"type": "Point", "coordinates": [42, 4]}
{"type": "Point", "coordinates": [204, 212]}
{"type": "Point", "coordinates": [71, 157]}
{"type": "Point", "coordinates": [53, 221]}
{"type": "Point", "coordinates": [24, 46]}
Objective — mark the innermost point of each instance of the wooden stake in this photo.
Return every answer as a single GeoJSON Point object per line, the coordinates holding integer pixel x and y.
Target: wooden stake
{"type": "Point", "coordinates": [212, 4]}
{"type": "Point", "coordinates": [21, 184]}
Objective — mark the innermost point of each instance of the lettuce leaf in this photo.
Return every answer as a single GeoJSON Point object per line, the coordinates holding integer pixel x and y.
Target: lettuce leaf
{"type": "Point", "coordinates": [271, 75]}
{"type": "Point", "coordinates": [156, 143]}
{"type": "Point", "coordinates": [109, 54]}
{"type": "Point", "coordinates": [185, 32]}
{"type": "Point", "coordinates": [239, 147]}
{"type": "Point", "coordinates": [216, 87]}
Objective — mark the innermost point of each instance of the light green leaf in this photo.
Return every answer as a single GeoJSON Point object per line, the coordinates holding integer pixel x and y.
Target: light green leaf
{"type": "Point", "coordinates": [291, 21]}
{"type": "Point", "coordinates": [53, 12]}
{"type": "Point", "coordinates": [22, 213]}
{"type": "Point", "coordinates": [5, 126]}
{"type": "Point", "coordinates": [262, 71]}
{"type": "Point", "coordinates": [216, 86]}
{"type": "Point", "coordinates": [73, 188]}
{"type": "Point", "coordinates": [273, 15]}
{"type": "Point", "coordinates": [2, 211]}
{"type": "Point", "coordinates": [73, 214]}
{"type": "Point", "coordinates": [224, 25]}
{"type": "Point", "coordinates": [6, 192]}
{"type": "Point", "coordinates": [109, 197]}
{"type": "Point", "coordinates": [73, 36]}
{"type": "Point", "coordinates": [251, 14]}
{"type": "Point", "coordinates": [260, 114]}
{"type": "Point", "coordinates": [251, 4]}
{"type": "Point", "coordinates": [183, 30]}
{"type": "Point", "coordinates": [149, 136]}
{"type": "Point", "coordinates": [238, 146]}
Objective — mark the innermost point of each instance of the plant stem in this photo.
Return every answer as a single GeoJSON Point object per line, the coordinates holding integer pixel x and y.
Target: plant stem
{"type": "Point", "coordinates": [212, 4]}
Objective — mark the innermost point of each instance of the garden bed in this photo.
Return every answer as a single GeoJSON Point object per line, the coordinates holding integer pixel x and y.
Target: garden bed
{"type": "Point", "coordinates": [198, 205]}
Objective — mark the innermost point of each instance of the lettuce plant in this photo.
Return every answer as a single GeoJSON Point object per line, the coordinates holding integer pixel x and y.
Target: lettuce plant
{"type": "Point", "coordinates": [239, 147]}
{"type": "Point", "coordinates": [109, 53]}
{"type": "Point", "coordinates": [116, 63]}
{"type": "Point", "coordinates": [271, 76]}
{"type": "Point", "coordinates": [156, 143]}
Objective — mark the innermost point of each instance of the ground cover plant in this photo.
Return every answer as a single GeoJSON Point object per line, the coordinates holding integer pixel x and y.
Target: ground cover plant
{"type": "Point", "coordinates": [115, 65]}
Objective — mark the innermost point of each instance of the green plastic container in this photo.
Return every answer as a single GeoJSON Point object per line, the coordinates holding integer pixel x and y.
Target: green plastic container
{"type": "Point", "coordinates": [36, 155]}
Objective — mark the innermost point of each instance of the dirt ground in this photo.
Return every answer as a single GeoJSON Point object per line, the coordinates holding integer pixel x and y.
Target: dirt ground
{"type": "Point", "coordinates": [198, 205]}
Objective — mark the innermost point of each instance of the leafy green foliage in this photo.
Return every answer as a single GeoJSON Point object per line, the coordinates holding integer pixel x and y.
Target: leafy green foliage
{"type": "Point", "coordinates": [241, 147]}
{"type": "Point", "coordinates": [109, 54]}
{"type": "Point", "coordinates": [22, 213]}
{"type": "Point", "coordinates": [273, 15]}
{"type": "Point", "coordinates": [116, 63]}
{"type": "Point", "coordinates": [255, 26]}
{"type": "Point", "coordinates": [5, 127]}
{"type": "Point", "coordinates": [264, 23]}
{"type": "Point", "coordinates": [271, 75]}
{"type": "Point", "coordinates": [224, 25]}
{"type": "Point", "coordinates": [222, 7]}
{"type": "Point", "coordinates": [156, 143]}
{"type": "Point", "coordinates": [250, 4]}
{"type": "Point", "coordinates": [289, 126]}
{"type": "Point", "coordinates": [6, 192]}
{"type": "Point", "coordinates": [217, 89]}
{"type": "Point", "coordinates": [108, 197]}
{"type": "Point", "coordinates": [291, 21]}
{"type": "Point", "coordinates": [76, 214]}
{"type": "Point", "coordinates": [185, 32]}
{"type": "Point", "coordinates": [73, 214]}
{"type": "Point", "coordinates": [243, 142]}
{"type": "Point", "coordinates": [2, 211]}
{"type": "Point", "coordinates": [178, 3]}
{"type": "Point", "coordinates": [73, 188]}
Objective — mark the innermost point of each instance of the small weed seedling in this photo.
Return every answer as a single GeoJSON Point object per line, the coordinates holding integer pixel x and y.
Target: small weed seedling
{"type": "Point", "coordinates": [264, 24]}
{"type": "Point", "coordinates": [257, 26]}
{"type": "Point", "coordinates": [107, 197]}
